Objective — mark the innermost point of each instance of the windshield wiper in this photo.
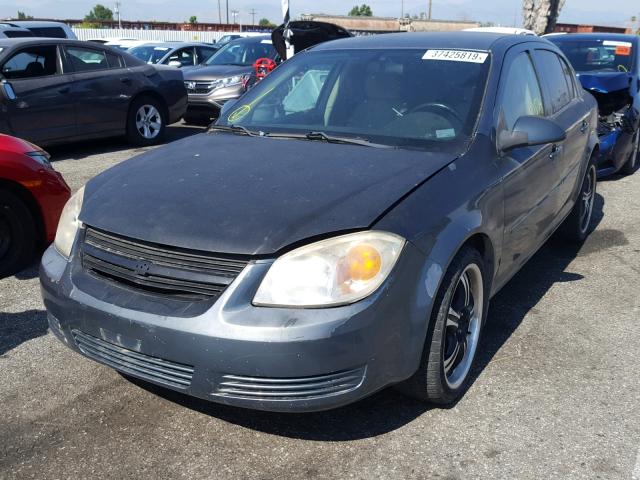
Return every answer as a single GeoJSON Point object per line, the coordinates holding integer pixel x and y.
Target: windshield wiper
{"type": "Point", "coordinates": [234, 129]}
{"type": "Point", "coordinates": [321, 136]}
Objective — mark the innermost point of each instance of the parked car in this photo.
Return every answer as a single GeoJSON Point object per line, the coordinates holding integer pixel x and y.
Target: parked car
{"type": "Point", "coordinates": [55, 91]}
{"type": "Point", "coordinates": [32, 195]}
{"type": "Point", "coordinates": [10, 31]}
{"type": "Point", "coordinates": [341, 228]}
{"type": "Point", "coordinates": [43, 28]}
{"type": "Point", "coordinates": [176, 54]}
{"type": "Point", "coordinates": [228, 38]}
{"type": "Point", "coordinates": [223, 76]}
{"type": "Point", "coordinates": [125, 44]}
{"type": "Point", "coordinates": [502, 30]}
{"type": "Point", "coordinates": [608, 67]}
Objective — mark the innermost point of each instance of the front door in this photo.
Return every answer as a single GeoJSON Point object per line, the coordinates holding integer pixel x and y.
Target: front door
{"type": "Point", "coordinates": [39, 106]}
{"type": "Point", "coordinates": [529, 174]}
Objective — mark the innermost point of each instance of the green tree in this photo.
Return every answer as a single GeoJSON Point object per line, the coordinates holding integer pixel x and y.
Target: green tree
{"type": "Point", "coordinates": [100, 13]}
{"type": "Point", "coordinates": [193, 19]}
{"type": "Point", "coordinates": [266, 23]}
{"type": "Point", "coordinates": [363, 10]}
{"type": "Point", "coordinates": [23, 16]}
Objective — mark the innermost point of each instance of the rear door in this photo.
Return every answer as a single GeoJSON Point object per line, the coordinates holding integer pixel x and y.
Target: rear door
{"type": "Point", "coordinates": [567, 109]}
{"type": "Point", "coordinates": [39, 106]}
{"type": "Point", "coordinates": [529, 174]}
{"type": "Point", "coordinates": [102, 88]}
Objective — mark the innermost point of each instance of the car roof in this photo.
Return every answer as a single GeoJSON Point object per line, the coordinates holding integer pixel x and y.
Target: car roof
{"type": "Point", "coordinates": [8, 43]}
{"type": "Point", "coordinates": [593, 36]}
{"type": "Point", "coordinates": [453, 40]}
{"type": "Point", "coordinates": [174, 44]}
{"type": "Point", "coordinates": [37, 23]}
{"type": "Point", "coordinates": [252, 39]}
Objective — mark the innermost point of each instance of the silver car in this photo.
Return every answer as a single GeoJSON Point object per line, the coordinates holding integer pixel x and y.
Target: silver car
{"type": "Point", "coordinates": [176, 54]}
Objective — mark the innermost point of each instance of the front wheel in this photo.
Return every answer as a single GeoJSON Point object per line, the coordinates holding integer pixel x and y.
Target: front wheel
{"type": "Point", "coordinates": [578, 225]}
{"type": "Point", "coordinates": [146, 122]}
{"type": "Point", "coordinates": [454, 332]}
{"type": "Point", "coordinates": [17, 234]}
{"type": "Point", "coordinates": [631, 165]}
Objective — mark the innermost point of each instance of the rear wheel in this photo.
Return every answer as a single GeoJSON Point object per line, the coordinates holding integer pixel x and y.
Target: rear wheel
{"type": "Point", "coordinates": [454, 333]}
{"type": "Point", "coordinates": [577, 226]}
{"type": "Point", "coordinates": [17, 234]}
{"type": "Point", "coordinates": [631, 164]}
{"type": "Point", "coordinates": [146, 122]}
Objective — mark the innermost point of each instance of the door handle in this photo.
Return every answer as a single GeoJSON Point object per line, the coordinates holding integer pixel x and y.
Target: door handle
{"type": "Point", "coordinates": [584, 127]}
{"type": "Point", "coordinates": [555, 151]}
{"type": "Point", "coordinates": [63, 90]}
{"type": "Point", "coordinates": [126, 80]}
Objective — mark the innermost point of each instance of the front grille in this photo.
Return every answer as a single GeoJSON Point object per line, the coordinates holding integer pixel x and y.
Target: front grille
{"type": "Point", "coordinates": [158, 270]}
{"type": "Point", "coordinates": [290, 388]}
{"type": "Point", "coordinates": [200, 88]}
{"type": "Point", "coordinates": [137, 364]}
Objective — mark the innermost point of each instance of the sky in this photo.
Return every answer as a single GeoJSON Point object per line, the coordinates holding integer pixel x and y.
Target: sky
{"type": "Point", "coordinates": [504, 12]}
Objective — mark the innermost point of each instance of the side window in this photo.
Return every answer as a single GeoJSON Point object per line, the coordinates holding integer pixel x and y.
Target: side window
{"type": "Point", "coordinates": [38, 61]}
{"type": "Point", "coordinates": [570, 77]}
{"type": "Point", "coordinates": [85, 59]}
{"type": "Point", "coordinates": [51, 32]}
{"type": "Point", "coordinates": [553, 76]}
{"type": "Point", "coordinates": [184, 56]}
{"type": "Point", "coordinates": [115, 61]}
{"type": "Point", "coordinates": [204, 53]}
{"type": "Point", "coordinates": [520, 91]}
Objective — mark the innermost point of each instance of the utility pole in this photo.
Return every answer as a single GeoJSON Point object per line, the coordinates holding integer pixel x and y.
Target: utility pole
{"type": "Point", "coordinates": [253, 16]}
{"type": "Point", "coordinates": [234, 13]}
{"type": "Point", "coordinates": [429, 11]}
{"type": "Point", "coordinates": [118, 14]}
{"type": "Point", "coordinates": [227, 1]}
{"type": "Point", "coordinates": [219, 13]}
{"type": "Point", "coordinates": [401, 8]}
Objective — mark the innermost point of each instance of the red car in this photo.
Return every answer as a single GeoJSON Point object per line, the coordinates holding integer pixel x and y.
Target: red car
{"type": "Point", "coordinates": [32, 195]}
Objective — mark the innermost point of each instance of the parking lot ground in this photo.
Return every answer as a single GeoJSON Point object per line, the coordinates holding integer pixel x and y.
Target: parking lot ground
{"type": "Point", "coordinates": [555, 393]}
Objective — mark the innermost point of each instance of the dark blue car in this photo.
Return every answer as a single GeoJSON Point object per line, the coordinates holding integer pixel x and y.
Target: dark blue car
{"type": "Point", "coordinates": [608, 67]}
{"type": "Point", "coordinates": [341, 229]}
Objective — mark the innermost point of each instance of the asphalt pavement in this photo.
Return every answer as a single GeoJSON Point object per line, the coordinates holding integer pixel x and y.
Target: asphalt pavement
{"type": "Point", "coordinates": [555, 393]}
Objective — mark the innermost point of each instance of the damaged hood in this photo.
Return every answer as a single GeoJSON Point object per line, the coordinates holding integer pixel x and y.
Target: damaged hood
{"type": "Point", "coordinates": [228, 193]}
{"type": "Point", "coordinates": [611, 89]}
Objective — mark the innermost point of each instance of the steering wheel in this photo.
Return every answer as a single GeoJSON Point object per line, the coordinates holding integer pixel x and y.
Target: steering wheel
{"type": "Point", "coordinates": [440, 109]}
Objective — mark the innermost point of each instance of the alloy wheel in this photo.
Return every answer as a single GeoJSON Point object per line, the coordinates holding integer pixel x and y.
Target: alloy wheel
{"type": "Point", "coordinates": [462, 329]}
{"type": "Point", "coordinates": [148, 122]}
{"type": "Point", "coordinates": [587, 197]}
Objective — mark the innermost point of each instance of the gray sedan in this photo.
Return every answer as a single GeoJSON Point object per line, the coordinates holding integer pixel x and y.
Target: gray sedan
{"type": "Point", "coordinates": [342, 228]}
{"type": "Point", "coordinates": [176, 54]}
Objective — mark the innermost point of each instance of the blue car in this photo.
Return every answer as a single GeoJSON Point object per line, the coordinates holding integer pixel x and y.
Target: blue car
{"type": "Point", "coordinates": [608, 68]}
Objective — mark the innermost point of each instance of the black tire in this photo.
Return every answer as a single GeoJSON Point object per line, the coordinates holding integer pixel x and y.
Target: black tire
{"type": "Point", "coordinates": [578, 225]}
{"type": "Point", "coordinates": [631, 165]}
{"type": "Point", "coordinates": [152, 134]}
{"type": "Point", "coordinates": [430, 382]}
{"type": "Point", "coordinates": [199, 119]}
{"type": "Point", "coordinates": [17, 234]}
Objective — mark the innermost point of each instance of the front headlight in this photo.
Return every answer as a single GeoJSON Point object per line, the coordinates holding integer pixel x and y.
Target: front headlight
{"type": "Point", "coordinates": [230, 81]}
{"type": "Point", "coordinates": [69, 224]}
{"type": "Point", "coordinates": [331, 272]}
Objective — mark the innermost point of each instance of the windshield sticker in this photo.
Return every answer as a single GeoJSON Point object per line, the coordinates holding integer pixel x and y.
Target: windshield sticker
{"type": "Point", "coordinates": [456, 56]}
{"type": "Point", "coordinates": [267, 41]}
{"type": "Point", "coordinates": [446, 133]}
{"type": "Point", "coordinates": [616, 43]}
{"type": "Point", "coordinates": [623, 51]}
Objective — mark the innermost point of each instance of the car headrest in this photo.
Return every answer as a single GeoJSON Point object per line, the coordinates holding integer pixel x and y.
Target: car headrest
{"type": "Point", "coordinates": [34, 69]}
{"type": "Point", "coordinates": [383, 86]}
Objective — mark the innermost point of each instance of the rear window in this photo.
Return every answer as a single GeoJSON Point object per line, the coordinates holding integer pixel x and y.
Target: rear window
{"type": "Point", "coordinates": [598, 55]}
{"type": "Point", "coordinates": [17, 33]}
{"type": "Point", "coordinates": [50, 32]}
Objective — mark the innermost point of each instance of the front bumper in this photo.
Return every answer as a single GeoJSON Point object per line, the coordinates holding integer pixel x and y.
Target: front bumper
{"type": "Point", "coordinates": [212, 103]}
{"type": "Point", "coordinates": [237, 354]}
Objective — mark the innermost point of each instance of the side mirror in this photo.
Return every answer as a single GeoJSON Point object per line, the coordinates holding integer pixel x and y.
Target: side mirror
{"type": "Point", "coordinates": [529, 131]}
{"type": "Point", "coordinates": [8, 90]}
{"type": "Point", "coordinates": [175, 63]}
{"type": "Point", "coordinates": [227, 106]}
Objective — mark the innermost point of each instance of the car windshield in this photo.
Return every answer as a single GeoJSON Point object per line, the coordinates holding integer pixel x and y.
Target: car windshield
{"type": "Point", "coordinates": [149, 53]}
{"type": "Point", "coordinates": [400, 97]}
{"type": "Point", "coordinates": [598, 55]}
{"type": "Point", "coordinates": [242, 53]}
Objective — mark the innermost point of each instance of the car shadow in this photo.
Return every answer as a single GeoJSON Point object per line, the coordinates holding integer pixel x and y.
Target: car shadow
{"type": "Point", "coordinates": [17, 328]}
{"type": "Point", "coordinates": [388, 410]}
{"type": "Point", "coordinates": [83, 149]}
